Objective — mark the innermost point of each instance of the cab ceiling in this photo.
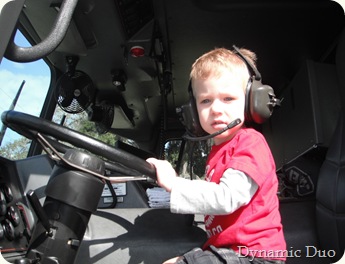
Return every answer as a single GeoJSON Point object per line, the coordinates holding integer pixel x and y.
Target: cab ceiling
{"type": "Point", "coordinates": [174, 33]}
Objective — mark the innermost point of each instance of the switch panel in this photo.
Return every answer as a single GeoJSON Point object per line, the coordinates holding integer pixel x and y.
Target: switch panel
{"type": "Point", "coordinates": [14, 229]}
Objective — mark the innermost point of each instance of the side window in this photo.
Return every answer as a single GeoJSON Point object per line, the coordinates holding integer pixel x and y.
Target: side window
{"type": "Point", "coordinates": [23, 87]}
{"type": "Point", "coordinates": [188, 157]}
{"type": "Point", "coordinates": [172, 151]}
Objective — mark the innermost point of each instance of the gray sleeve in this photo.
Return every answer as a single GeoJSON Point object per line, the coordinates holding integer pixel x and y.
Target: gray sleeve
{"type": "Point", "coordinates": [201, 197]}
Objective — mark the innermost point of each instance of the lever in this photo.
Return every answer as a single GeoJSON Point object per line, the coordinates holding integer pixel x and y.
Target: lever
{"type": "Point", "coordinates": [41, 214]}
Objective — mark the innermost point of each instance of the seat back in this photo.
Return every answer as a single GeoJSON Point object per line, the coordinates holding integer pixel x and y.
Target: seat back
{"type": "Point", "coordinates": [330, 196]}
{"type": "Point", "coordinates": [330, 193]}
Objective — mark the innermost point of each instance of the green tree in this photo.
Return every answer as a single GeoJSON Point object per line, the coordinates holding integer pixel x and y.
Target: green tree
{"type": "Point", "coordinates": [80, 122]}
{"type": "Point", "coordinates": [18, 149]}
{"type": "Point", "coordinates": [172, 150]}
{"type": "Point", "coordinates": [15, 150]}
{"type": "Point", "coordinates": [194, 154]}
{"type": "Point", "coordinates": [90, 129]}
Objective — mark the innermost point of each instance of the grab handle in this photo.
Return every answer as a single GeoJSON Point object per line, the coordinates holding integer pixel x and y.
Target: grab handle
{"type": "Point", "coordinates": [50, 43]}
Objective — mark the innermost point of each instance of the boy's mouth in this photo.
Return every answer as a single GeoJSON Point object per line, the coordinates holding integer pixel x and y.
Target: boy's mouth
{"type": "Point", "coordinates": [218, 124]}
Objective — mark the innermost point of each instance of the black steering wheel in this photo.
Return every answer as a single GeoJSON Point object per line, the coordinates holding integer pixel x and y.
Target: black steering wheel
{"type": "Point", "coordinates": [28, 126]}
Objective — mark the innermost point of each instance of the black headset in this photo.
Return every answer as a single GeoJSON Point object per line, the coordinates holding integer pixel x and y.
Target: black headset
{"type": "Point", "coordinates": [259, 103]}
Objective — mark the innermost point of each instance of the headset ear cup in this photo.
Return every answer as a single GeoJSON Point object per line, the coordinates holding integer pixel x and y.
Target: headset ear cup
{"type": "Point", "coordinates": [247, 104]}
{"type": "Point", "coordinates": [197, 129]}
{"type": "Point", "coordinates": [259, 102]}
{"type": "Point", "coordinates": [190, 118]}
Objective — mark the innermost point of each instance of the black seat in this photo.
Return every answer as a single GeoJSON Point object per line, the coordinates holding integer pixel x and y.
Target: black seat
{"type": "Point", "coordinates": [330, 195]}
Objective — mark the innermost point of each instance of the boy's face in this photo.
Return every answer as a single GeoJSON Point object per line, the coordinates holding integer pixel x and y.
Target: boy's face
{"type": "Point", "coordinates": [220, 101]}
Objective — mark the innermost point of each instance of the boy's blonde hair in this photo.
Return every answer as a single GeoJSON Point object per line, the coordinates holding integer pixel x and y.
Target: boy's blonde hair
{"type": "Point", "coordinates": [212, 62]}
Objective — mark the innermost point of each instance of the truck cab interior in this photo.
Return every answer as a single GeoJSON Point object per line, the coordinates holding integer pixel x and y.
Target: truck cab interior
{"type": "Point", "coordinates": [118, 80]}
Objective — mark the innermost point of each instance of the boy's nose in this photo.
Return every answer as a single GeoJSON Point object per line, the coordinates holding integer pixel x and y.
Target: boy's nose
{"type": "Point", "coordinates": [216, 106]}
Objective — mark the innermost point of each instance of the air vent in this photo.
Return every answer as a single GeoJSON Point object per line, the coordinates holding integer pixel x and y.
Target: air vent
{"type": "Point", "coordinates": [134, 14]}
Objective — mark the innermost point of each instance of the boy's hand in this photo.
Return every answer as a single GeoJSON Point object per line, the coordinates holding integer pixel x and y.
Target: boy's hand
{"type": "Point", "coordinates": [166, 174]}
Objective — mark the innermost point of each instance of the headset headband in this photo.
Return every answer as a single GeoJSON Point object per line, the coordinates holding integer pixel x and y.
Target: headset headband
{"type": "Point", "coordinates": [249, 65]}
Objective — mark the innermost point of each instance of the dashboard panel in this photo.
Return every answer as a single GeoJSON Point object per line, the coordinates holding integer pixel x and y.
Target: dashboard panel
{"type": "Point", "coordinates": [16, 220]}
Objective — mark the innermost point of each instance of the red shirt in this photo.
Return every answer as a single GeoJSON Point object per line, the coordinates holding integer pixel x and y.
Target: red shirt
{"type": "Point", "coordinates": [254, 229]}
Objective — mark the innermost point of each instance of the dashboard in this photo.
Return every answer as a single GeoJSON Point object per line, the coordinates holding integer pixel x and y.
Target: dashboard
{"type": "Point", "coordinates": [16, 219]}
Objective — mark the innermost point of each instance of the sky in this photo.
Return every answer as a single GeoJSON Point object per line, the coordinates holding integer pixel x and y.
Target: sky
{"type": "Point", "coordinates": [37, 79]}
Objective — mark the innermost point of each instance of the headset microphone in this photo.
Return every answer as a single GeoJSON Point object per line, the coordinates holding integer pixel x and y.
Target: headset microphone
{"type": "Point", "coordinates": [229, 126]}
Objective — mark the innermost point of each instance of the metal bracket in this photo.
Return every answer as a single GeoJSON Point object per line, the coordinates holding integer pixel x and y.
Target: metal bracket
{"type": "Point", "coordinates": [55, 155]}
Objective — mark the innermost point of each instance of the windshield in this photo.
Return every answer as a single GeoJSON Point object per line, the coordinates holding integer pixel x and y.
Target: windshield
{"type": "Point", "coordinates": [23, 87]}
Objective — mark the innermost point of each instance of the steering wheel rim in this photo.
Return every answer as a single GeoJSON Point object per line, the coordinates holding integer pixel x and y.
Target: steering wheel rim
{"type": "Point", "coordinates": [28, 126]}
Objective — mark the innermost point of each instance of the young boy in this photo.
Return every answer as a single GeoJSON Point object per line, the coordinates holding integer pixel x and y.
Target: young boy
{"type": "Point", "coordinates": [239, 196]}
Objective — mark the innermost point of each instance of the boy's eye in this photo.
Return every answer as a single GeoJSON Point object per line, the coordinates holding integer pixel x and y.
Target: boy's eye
{"type": "Point", "coordinates": [205, 101]}
{"type": "Point", "coordinates": [228, 99]}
